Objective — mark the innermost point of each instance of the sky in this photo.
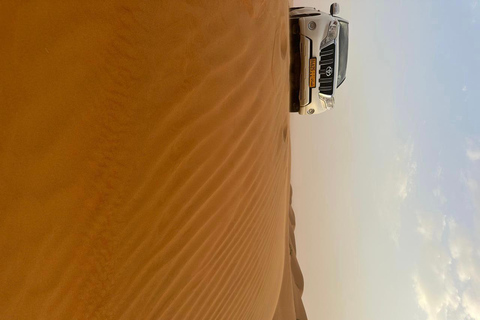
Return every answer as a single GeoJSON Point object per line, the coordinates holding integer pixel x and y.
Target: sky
{"type": "Point", "coordinates": [387, 185]}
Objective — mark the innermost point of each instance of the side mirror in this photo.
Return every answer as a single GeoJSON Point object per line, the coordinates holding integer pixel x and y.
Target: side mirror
{"type": "Point", "coordinates": [334, 9]}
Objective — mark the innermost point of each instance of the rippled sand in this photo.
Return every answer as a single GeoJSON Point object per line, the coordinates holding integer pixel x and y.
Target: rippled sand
{"type": "Point", "coordinates": [144, 159]}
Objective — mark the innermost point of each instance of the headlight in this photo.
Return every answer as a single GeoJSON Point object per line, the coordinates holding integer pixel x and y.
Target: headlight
{"type": "Point", "coordinates": [331, 34]}
{"type": "Point", "coordinates": [328, 102]}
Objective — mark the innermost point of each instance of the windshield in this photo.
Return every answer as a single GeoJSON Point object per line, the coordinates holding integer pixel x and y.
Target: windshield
{"type": "Point", "coordinates": [343, 52]}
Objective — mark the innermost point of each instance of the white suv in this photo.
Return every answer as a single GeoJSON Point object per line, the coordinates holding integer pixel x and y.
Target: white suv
{"type": "Point", "coordinates": [319, 52]}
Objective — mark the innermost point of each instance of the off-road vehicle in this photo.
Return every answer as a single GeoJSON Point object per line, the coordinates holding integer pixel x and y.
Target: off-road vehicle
{"type": "Point", "coordinates": [319, 52]}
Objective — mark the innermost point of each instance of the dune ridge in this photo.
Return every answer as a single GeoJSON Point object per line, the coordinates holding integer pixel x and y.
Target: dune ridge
{"type": "Point", "coordinates": [290, 305]}
{"type": "Point", "coordinates": [144, 169]}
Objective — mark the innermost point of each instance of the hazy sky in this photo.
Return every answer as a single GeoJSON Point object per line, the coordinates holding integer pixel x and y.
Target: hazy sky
{"type": "Point", "coordinates": [387, 185]}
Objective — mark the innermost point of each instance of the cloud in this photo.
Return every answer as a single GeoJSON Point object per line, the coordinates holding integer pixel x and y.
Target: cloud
{"type": "Point", "coordinates": [434, 283]}
{"type": "Point", "coordinates": [473, 150]}
{"type": "Point", "coordinates": [470, 301]}
{"type": "Point", "coordinates": [473, 155]}
{"type": "Point", "coordinates": [465, 247]}
{"type": "Point", "coordinates": [474, 191]}
{"type": "Point", "coordinates": [462, 249]}
{"type": "Point", "coordinates": [437, 192]}
{"type": "Point", "coordinates": [464, 89]}
{"type": "Point", "coordinates": [400, 184]}
{"type": "Point", "coordinates": [439, 172]}
{"type": "Point", "coordinates": [447, 276]}
{"type": "Point", "coordinates": [471, 184]}
{"type": "Point", "coordinates": [407, 167]}
{"type": "Point", "coordinates": [431, 226]}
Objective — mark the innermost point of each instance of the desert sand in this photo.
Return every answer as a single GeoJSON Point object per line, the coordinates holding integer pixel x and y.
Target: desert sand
{"type": "Point", "coordinates": [290, 305]}
{"type": "Point", "coordinates": [145, 161]}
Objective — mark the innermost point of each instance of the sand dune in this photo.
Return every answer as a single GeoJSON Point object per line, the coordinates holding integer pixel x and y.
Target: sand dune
{"type": "Point", "coordinates": [144, 159]}
{"type": "Point", "coordinates": [290, 305]}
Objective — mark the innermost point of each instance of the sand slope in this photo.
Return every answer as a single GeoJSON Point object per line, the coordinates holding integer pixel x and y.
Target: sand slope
{"type": "Point", "coordinates": [290, 305]}
{"type": "Point", "coordinates": [144, 159]}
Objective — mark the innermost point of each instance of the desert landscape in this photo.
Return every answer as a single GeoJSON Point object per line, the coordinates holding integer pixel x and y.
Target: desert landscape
{"type": "Point", "coordinates": [145, 161]}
